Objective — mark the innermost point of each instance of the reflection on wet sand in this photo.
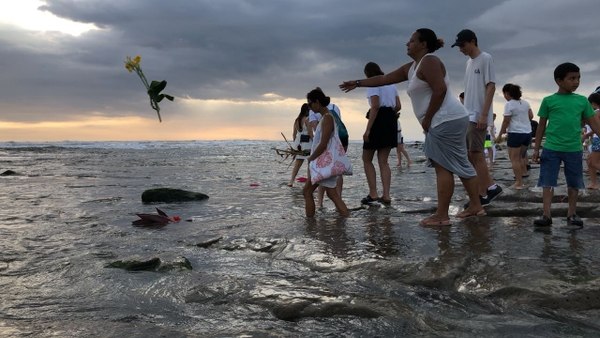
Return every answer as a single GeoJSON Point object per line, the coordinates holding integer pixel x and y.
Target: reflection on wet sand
{"type": "Point", "coordinates": [380, 235]}
{"type": "Point", "coordinates": [332, 232]}
{"type": "Point", "coordinates": [562, 252]}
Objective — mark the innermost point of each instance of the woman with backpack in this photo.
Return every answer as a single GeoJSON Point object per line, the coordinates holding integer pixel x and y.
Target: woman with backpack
{"type": "Point", "coordinates": [325, 143]}
{"type": "Point", "coordinates": [313, 121]}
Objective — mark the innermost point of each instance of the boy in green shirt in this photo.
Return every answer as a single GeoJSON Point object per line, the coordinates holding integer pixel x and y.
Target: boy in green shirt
{"type": "Point", "coordinates": [561, 115]}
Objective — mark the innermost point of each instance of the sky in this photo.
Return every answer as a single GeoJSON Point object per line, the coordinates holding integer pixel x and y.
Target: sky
{"type": "Point", "coordinates": [240, 69]}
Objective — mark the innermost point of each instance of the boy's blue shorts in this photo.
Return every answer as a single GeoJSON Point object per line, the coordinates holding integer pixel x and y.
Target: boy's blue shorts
{"type": "Point", "coordinates": [550, 166]}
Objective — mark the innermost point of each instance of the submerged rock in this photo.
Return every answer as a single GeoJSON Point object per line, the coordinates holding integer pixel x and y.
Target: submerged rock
{"type": "Point", "coordinates": [153, 264]}
{"type": "Point", "coordinates": [303, 309]}
{"type": "Point", "coordinates": [579, 300]}
{"type": "Point", "coordinates": [180, 263]}
{"type": "Point", "coordinates": [168, 195]}
{"type": "Point", "coordinates": [207, 243]}
{"type": "Point", "coordinates": [136, 265]}
{"type": "Point", "coordinates": [8, 173]}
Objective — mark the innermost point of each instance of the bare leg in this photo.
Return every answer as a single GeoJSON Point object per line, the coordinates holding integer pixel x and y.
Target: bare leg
{"type": "Point", "coordinates": [524, 161]}
{"type": "Point", "coordinates": [572, 198]}
{"type": "Point", "coordinates": [471, 186]}
{"type": "Point", "coordinates": [489, 156]}
{"type": "Point", "coordinates": [445, 190]}
{"type": "Point", "coordinates": [547, 195]}
{"type": "Point", "coordinates": [385, 172]}
{"type": "Point", "coordinates": [297, 165]}
{"type": "Point", "coordinates": [517, 165]}
{"type": "Point", "coordinates": [309, 201]}
{"type": "Point", "coordinates": [320, 194]}
{"type": "Point", "coordinates": [483, 173]}
{"type": "Point", "coordinates": [593, 162]}
{"type": "Point", "coordinates": [401, 151]}
{"type": "Point", "coordinates": [333, 195]}
{"type": "Point", "coordinates": [405, 153]}
{"type": "Point", "coordinates": [340, 185]}
{"type": "Point", "coordinates": [367, 158]}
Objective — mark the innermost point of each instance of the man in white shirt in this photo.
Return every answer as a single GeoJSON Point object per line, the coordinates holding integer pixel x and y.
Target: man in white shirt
{"type": "Point", "coordinates": [480, 86]}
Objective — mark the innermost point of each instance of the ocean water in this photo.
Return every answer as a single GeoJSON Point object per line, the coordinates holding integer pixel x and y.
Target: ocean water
{"type": "Point", "coordinates": [270, 272]}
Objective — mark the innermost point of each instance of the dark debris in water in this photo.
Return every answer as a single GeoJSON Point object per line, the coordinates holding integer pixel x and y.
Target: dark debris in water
{"type": "Point", "coordinates": [152, 264]}
{"type": "Point", "coordinates": [577, 300]}
{"type": "Point", "coordinates": [299, 310]}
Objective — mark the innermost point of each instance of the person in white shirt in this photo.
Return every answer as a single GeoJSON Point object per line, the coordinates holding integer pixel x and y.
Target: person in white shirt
{"type": "Point", "coordinates": [380, 135]}
{"type": "Point", "coordinates": [518, 126]}
{"type": "Point", "coordinates": [313, 121]}
{"type": "Point", "coordinates": [443, 119]}
{"type": "Point", "coordinates": [480, 85]}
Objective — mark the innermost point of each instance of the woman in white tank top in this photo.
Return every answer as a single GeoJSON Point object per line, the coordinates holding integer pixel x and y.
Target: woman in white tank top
{"type": "Point", "coordinates": [442, 117]}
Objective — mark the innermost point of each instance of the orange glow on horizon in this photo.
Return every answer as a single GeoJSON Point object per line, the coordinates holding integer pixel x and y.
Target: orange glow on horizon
{"type": "Point", "coordinates": [130, 128]}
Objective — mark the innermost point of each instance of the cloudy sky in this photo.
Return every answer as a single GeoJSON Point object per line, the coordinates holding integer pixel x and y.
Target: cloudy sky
{"type": "Point", "coordinates": [240, 69]}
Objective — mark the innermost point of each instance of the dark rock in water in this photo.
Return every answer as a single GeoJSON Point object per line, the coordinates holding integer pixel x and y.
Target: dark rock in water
{"type": "Point", "coordinates": [168, 195]}
{"type": "Point", "coordinates": [209, 242]}
{"type": "Point", "coordinates": [581, 300]}
{"type": "Point", "coordinates": [135, 265]}
{"type": "Point", "coordinates": [254, 244]}
{"type": "Point", "coordinates": [180, 263]}
{"type": "Point", "coordinates": [8, 173]}
{"type": "Point", "coordinates": [298, 310]}
{"type": "Point", "coordinates": [153, 264]}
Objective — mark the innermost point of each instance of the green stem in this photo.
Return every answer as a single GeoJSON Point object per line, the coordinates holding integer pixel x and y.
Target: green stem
{"type": "Point", "coordinates": [140, 73]}
{"type": "Point", "coordinates": [155, 106]}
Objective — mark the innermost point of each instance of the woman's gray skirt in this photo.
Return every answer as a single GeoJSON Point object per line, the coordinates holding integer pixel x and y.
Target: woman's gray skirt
{"type": "Point", "coordinates": [446, 146]}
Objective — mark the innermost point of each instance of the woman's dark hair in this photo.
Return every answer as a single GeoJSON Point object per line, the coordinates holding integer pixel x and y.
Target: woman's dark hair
{"type": "Point", "coordinates": [428, 36]}
{"type": "Point", "coordinates": [303, 113]}
{"type": "Point", "coordinates": [513, 90]}
{"type": "Point", "coordinates": [594, 98]}
{"type": "Point", "coordinates": [372, 69]}
{"type": "Point", "coordinates": [318, 95]}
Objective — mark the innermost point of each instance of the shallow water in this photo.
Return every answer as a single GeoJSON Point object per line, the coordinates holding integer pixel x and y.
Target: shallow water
{"type": "Point", "coordinates": [67, 214]}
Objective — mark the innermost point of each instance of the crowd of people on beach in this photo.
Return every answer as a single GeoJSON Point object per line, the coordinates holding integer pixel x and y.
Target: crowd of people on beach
{"type": "Point", "coordinates": [460, 137]}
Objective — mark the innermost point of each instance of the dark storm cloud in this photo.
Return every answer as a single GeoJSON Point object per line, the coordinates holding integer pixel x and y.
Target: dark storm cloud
{"type": "Point", "coordinates": [240, 50]}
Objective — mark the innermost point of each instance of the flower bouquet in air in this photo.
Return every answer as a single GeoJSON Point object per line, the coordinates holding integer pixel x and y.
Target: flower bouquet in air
{"type": "Point", "coordinates": [153, 89]}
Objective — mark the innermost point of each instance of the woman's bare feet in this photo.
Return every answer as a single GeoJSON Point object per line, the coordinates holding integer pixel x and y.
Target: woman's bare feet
{"type": "Point", "coordinates": [435, 220]}
{"type": "Point", "coordinates": [470, 213]}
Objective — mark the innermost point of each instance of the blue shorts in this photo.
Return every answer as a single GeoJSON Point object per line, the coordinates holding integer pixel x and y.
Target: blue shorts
{"type": "Point", "coordinates": [516, 140]}
{"type": "Point", "coordinates": [550, 166]}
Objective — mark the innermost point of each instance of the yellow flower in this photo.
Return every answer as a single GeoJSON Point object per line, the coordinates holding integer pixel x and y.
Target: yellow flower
{"type": "Point", "coordinates": [137, 60]}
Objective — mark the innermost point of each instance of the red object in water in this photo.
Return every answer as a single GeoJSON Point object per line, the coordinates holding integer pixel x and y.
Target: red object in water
{"type": "Point", "coordinates": [254, 184]}
{"type": "Point", "coordinates": [301, 179]}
